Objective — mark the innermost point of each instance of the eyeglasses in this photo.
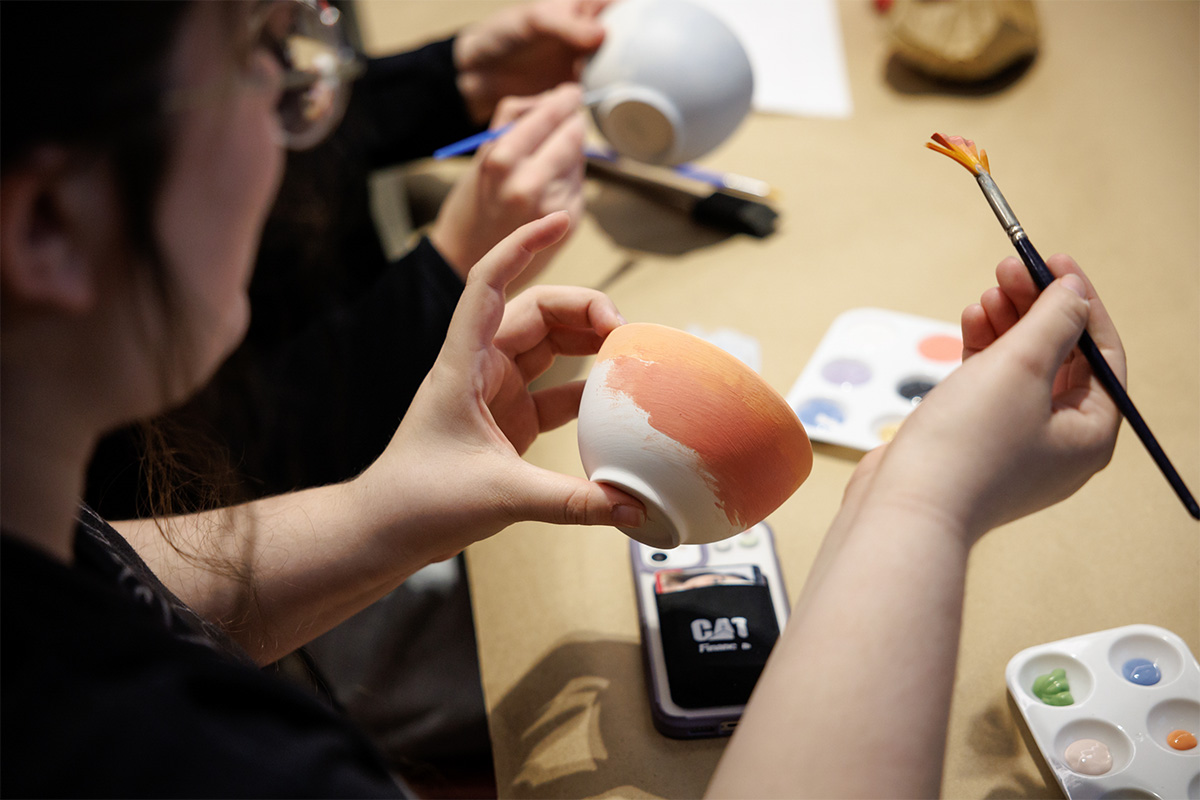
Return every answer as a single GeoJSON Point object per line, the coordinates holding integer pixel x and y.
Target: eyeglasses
{"type": "Point", "coordinates": [318, 69]}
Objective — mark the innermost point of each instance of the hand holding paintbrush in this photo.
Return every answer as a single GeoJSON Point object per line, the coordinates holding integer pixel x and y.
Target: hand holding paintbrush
{"type": "Point", "coordinates": [976, 162]}
{"type": "Point", "coordinates": [535, 170]}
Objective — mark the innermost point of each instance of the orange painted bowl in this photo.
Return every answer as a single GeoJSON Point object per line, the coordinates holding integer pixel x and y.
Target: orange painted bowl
{"type": "Point", "coordinates": [698, 436]}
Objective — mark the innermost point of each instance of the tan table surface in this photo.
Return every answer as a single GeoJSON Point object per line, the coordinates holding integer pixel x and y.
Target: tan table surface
{"type": "Point", "coordinates": [1097, 147]}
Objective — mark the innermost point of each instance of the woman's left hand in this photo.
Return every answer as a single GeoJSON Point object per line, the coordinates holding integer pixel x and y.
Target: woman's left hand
{"type": "Point", "coordinates": [455, 460]}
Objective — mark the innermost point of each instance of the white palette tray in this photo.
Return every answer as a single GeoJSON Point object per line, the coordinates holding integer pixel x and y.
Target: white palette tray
{"type": "Point", "coordinates": [1133, 720]}
{"type": "Point", "coordinates": [869, 372]}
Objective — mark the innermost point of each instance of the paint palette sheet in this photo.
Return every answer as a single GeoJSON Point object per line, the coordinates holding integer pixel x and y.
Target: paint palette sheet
{"type": "Point", "coordinates": [869, 372]}
{"type": "Point", "coordinates": [1115, 713]}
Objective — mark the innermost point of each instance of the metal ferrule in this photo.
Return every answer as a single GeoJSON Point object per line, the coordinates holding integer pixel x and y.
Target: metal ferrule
{"type": "Point", "coordinates": [999, 205]}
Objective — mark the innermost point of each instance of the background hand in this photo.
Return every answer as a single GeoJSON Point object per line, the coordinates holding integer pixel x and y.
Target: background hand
{"type": "Point", "coordinates": [454, 462]}
{"type": "Point", "coordinates": [525, 50]}
{"type": "Point", "coordinates": [532, 170]}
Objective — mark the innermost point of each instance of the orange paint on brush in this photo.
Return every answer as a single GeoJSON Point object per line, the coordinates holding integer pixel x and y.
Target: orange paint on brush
{"type": "Point", "coordinates": [710, 402]}
{"type": "Point", "coordinates": [961, 150]}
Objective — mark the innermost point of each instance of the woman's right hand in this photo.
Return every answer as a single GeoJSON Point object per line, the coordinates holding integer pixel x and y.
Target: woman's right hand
{"type": "Point", "coordinates": [1023, 423]}
{"type": "Point", "coordinates": [532, 170]}
{"type": "Point", "coordinates": [1020, 425]}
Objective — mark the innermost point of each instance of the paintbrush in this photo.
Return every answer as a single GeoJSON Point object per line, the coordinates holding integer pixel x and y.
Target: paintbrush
{"type": "Point", "coordinates": [964, 152]}
{"type": "Point", "coordinates": [700, 196]}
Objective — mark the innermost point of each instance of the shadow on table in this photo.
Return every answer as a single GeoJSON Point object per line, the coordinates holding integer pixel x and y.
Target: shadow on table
{"type": "Point", "coordinates": [1026, 786]}
{"type": "Point", "coordinates": [578, 725]}
{"type": "Point", "coordinates": [906, 80]}
{"type": "Point", "coordinates": [837, 451]}
{"type": "Point", "coordinates": [636, 221]}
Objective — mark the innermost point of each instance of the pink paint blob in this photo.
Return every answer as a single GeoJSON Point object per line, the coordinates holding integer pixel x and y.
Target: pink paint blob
{"type": "Point", "coordinates": [1088, 757]}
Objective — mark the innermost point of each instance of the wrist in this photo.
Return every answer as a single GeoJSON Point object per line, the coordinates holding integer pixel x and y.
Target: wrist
{"type": "Point", "coordinates": [918, 479]}
{"type": "Point", "coordinates": [903, 507]}
{"type": "Point", "coordinates": [393, 520]}
{"type": "Point", "coordinates": [443, 245]}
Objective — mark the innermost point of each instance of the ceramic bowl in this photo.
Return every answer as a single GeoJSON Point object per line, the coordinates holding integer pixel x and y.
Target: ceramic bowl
{"type": "Point", "coordinates": [675, 81]}
{"type": "Point", "coordinates": [698, 436]}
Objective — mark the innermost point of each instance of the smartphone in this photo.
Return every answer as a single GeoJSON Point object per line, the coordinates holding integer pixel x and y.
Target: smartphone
{"type": "Point", "coordinates": [710, 614]}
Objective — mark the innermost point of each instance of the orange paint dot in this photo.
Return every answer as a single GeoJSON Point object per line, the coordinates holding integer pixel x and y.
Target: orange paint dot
{"type": "Point", "coordinates": [941, 348]}
{"type": "Point", "coordinates": [1181, 739]}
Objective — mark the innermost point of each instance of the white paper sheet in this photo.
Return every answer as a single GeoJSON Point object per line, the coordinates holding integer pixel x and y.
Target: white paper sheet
{"type": "Point", "coordinates": [795, 48]}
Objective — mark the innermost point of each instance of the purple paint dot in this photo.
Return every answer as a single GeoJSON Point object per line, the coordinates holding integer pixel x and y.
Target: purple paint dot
{"type": "Point", "coordinates": [846, 371]}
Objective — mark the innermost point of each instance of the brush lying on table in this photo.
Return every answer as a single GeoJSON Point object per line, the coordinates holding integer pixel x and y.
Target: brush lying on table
{"type": "Point", "coordinates": [719, 200]}
{"type": "Point", "coordinates": [964, 152]}
{"type": "Point", "coordinates": [731, 203]}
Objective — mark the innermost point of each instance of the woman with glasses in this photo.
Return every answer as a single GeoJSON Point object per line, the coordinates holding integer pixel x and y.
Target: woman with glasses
{"type": "Point", "coordinates": [324, 292]}
{"type": "Point", "coordinates": [141, 153]}
{"type": "Point", "coordinates": [341, 335]}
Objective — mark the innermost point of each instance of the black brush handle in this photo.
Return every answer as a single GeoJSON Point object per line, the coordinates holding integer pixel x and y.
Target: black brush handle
{"type": "Point", "coordinates": [1043, 278]}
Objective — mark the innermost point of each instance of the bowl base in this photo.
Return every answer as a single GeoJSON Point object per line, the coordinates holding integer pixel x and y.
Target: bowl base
{"type": "Point", "coordinates": [638, 128]}
{"type": "Point", "coordinates": [659, 530]}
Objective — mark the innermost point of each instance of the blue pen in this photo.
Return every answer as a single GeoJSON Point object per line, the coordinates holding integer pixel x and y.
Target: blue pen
{"type": "Point", "coordinates": [473, 143]}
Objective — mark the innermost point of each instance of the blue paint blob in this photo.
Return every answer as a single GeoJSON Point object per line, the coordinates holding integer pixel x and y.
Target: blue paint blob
{"type": "Point", "coordinates": [1141, 671]}
{"type": "Point", "coordinates": [819, 413]}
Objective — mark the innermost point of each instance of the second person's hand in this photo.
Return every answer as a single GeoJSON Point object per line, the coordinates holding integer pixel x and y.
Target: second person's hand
{"type": "Point", "coordinates": [535, 168]}
{"type": "Point", "coordinates": [525, 49]}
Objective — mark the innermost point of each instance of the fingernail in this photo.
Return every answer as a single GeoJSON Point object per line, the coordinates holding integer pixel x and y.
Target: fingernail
{"type": "Point", "coordinates": [1075, 284]}
{"type": "Point", "coordinates": [628, 517]}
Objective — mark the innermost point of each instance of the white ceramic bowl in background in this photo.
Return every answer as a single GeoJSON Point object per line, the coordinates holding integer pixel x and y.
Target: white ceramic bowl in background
{"type": "Point", "coordinates": [676, 82]}
{"type": "Point", "coordinates": [699, 437]}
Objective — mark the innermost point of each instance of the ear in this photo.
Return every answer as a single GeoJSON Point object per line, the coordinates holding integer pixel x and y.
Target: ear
{"type": "Point", "coordinates": [47, 255]}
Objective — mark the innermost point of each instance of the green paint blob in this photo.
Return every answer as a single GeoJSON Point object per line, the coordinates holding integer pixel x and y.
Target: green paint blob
{"type": "Point", "coordinates": [1053, 689]}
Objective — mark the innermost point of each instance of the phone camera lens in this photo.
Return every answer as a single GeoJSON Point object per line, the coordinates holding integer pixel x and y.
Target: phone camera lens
{"type": "Point", "coordinates": [658, 556]}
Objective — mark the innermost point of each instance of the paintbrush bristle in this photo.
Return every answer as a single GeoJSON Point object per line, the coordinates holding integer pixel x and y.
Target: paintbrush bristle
{"type": "Point", "coordinates": [961, 150]}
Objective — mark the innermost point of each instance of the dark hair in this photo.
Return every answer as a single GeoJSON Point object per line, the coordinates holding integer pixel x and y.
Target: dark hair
{"type": "Point", "coordinates": [75, 75]}
{"type": "Point", "coordinates": [91, 78]}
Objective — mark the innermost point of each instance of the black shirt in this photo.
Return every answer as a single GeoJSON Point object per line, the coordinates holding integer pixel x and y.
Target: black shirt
{"type": "Point", "coordinates": [112, 687]}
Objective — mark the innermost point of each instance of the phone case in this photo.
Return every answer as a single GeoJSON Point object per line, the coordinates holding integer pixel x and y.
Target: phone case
{"type": "Point", "coordinates": [710, 615]}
